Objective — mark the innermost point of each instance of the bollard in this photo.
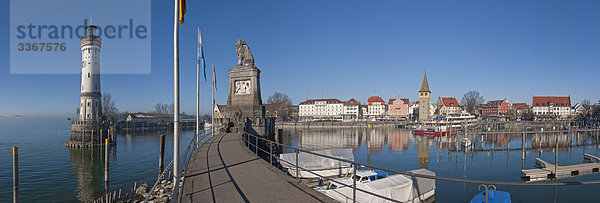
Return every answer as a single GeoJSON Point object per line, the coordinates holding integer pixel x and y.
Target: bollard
{"type": "Point", "coordinates": [106, 143]}
{"type": "Point", "coordinates": [162, 154]}
{"type": "Point", "coordinates": [15, 174]}
{"type": "Point", "coordinates": [256, 145]}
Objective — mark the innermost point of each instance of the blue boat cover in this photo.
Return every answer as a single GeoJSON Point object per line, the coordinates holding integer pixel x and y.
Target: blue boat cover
{"type": "Point", "coordinates": [494, 196]}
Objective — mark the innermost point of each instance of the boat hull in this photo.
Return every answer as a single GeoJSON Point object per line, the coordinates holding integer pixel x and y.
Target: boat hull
{"type": "Point", "coordinates": [433, 133]}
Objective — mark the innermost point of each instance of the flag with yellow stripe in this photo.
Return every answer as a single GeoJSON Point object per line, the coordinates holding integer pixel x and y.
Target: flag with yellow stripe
{"type": "Point", "coordinates": [181, 10]}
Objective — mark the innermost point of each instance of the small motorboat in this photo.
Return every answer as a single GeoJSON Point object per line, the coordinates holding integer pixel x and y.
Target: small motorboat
{"type": "Point", "coordinates": [494, 196]}
{"type": "Point", "coordinates": [362, 176]}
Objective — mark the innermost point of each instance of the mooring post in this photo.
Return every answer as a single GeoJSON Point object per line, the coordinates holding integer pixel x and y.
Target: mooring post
{"type": "Point", "coordinates": [15, 174]}
{"type": "Point", "coordinates": [161, 158]}
{"type": "Point", "coordinates": [556, 157]}
{"type": "Point", "coordinates": [523, 141]}
{"type": "Point", "coordinates": [297, 171]}
{"type": "Point", "coordinates": [106, 143]}
{"type": "Point", "coordinates": [354, 183]}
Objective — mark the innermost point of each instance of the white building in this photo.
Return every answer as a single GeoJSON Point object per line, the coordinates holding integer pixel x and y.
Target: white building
{"type": "Point", "coordinates": [551, 106]}
{"type": "Point", "coordinates": [376, 108]}
{"type": "Point", "coordinates": [321, 109]}
{"type": "Point", "coordinates": [352, 110]}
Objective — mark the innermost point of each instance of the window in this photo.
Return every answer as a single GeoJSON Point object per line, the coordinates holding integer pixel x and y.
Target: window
{"type": "Point", "coordinates": [88, 75]}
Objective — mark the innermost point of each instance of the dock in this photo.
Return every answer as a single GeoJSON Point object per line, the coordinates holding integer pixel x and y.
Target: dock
{"type": "Point", "coordinates": [546, 170]}
{"type": "Point", "coordinates": [222, 169]}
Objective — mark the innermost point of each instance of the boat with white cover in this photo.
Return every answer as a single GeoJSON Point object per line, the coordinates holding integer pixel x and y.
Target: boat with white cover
{"type": "Point", "coordinates": [313, 166]}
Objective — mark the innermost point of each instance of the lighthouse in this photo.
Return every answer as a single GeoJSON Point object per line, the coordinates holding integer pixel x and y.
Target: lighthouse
{"type": "Point", "coordinates": [87, 130]}
{"type": "Point", "coordinates": [90, 106]}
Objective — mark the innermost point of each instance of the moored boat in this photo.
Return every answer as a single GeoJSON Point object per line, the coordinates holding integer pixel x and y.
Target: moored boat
{"type": "Point", "coordinates": [436, 131]}
{"type": "Point", "coordinates": [494, 196]}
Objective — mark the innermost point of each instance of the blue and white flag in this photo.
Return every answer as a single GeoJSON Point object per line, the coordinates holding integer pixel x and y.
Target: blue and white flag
{"type": "Point", "coordinates": [201, 54]}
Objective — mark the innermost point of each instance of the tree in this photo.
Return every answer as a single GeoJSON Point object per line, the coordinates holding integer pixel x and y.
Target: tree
{"type": "Point", "coordinates": [109, 109]}
{"type": "Point", "coordinates": [278, 97]}
{"type": "Point", "coordinates": [586, 102]}
{"type": "Point", "coordinates": [161, 108]}
{"type": "Point", "coordinates": [282, 105]}
{"type": "Point", "coordinates": [470, 100]}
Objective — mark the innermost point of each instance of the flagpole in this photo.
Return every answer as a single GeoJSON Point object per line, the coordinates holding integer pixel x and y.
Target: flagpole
{"type": "Point", "coordinates": [213, 102]}
{"type": "Point", "coordinates": [176, 103]}
{"type": "Point", "coordinates": [198, 91]}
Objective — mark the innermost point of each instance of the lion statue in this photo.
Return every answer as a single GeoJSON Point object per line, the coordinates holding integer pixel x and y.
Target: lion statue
{"type": "Point", "coordinates": [243, 53]}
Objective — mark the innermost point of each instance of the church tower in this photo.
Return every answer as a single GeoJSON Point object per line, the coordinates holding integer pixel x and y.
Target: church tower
{"type": "Point", "coordinates": [90, 106]}
{"type": "Point", "coordinates": [424, 101]}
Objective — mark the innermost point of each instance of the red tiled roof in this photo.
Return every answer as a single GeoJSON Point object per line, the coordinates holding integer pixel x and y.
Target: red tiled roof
{"type": "Point", "coordinates": [329, 101]}
{"type": "Point", "coordinates": [521, 106]}
{"type": "Point", "coordinates": [450, 101]}
{"type": "Point", "coordinates": [391, 101]}
{"type": "Point", "coordinates": [351, 101]}
{"type": "Point", "coordinates": [556, 101]}
{"type": "Point", "coordinates": [493, 104]}
{"type": "Point", "coordinates": [375, 99]}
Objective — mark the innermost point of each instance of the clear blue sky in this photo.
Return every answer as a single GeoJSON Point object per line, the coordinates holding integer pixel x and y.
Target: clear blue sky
{"type": "Point", "coordinates": [344, 49]}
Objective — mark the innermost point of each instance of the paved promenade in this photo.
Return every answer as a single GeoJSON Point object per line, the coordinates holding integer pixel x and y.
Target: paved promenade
{"type": "Point", "coordinates": [223, 170]}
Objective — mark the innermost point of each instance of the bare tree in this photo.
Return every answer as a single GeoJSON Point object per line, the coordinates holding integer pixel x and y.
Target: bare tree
{"type": "Point", "coordinates": [161, 108]}
{"type": "Point", "coordinates": [278, 97]}
{"type": "Point", "coordinates": [470, 100]}
{"type": "Point", "coordinates": [282, 105]}
{"type": "Point", "coordinates": [109, 109]}
{"type": "Point", "coordinates": [586, 102]}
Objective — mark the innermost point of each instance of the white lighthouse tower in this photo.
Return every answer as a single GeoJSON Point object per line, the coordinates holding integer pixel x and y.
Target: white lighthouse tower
{"type": "Point", "coordinates": [86, 130]}
{"type": "Point", "coordinates": [90, 106]}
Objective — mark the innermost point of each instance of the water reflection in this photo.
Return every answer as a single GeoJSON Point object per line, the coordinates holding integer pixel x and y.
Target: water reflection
{"type": "Point", "coordinates": [89, 169]}
{"type": "Point", "coordinates": [493, 157]}
{"type": "Point", "coordinates": [423, 145]}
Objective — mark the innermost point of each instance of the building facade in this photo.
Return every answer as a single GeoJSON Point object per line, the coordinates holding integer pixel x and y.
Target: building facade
{"type": "Point", "coordinates": [321, 109]}
{"type": "Point", "coordinates": [550, 106]}
{"type": "Point", "coordinates": [496, 108]}
{"type": "Point", "coordinates": [352, 110]}
{"type": "Point", "coordinates": [521, 108]}
{"type": "Point", "coordinates": [448, 105]}
{"type": "Point", "coordinates": [376, 107]}
{"type": "Point", "coordinates": [398, 108]}
{"type": "Point", "coordinates": [424, 100]}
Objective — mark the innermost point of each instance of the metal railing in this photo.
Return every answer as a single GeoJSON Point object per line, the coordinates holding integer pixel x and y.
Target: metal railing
{"type": "Point", "coordinates": [246, 137]}
{"type": "Point", "coordinates": [192, 145]}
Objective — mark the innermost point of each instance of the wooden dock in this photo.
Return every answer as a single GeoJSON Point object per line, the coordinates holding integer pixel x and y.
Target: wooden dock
{"type": "Point", "coordinates": [546, 170]}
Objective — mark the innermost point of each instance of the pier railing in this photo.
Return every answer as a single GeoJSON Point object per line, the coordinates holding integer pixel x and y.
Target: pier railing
{"type": "Point", "coordinates": [253, 143]}
{"type": "Point", "coordinates": [187, 152]}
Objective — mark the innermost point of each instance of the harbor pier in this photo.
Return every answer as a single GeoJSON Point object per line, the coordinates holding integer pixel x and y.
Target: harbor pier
{"type": "Point", "coordinates": [224, 170]}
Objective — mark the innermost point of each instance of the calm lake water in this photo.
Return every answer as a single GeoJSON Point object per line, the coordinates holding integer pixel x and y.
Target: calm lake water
{"type": "Point", "coordinates": [50, 172]}
{"type": "Point", "coordinates": [400, 150]}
